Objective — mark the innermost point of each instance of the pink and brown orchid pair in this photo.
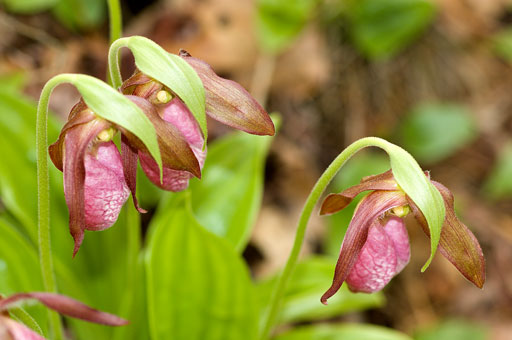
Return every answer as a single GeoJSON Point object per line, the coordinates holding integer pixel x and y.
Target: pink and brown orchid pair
{"type": "Point", "coordinates": [98, 179]}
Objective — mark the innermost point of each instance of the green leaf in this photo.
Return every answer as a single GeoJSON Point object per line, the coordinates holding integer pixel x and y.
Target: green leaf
{"type": "Point", "coordinates": [502, 44]}
{"type": "Point", "coordinates": [111, 105]}
{"type": "Point", "coordinates": [435, 131]}
{"type": "Point", "coordinates": [197, 285]}
{"type": "Point", "coordinates": [280, 22]}
{"type": "Point", "coordinates": [173, 72]}
{"type": "Point", "coordinates": [418, 187]}
{"type": "Point", "coordinates": [79, 15]}
{"type": "Point", "coordinates": [28, 6]}
{"type": "Point", "coordinates": [362, 164]}
{"type": "Point", "coordinates": [19, 268]}
{"type": "Point", "coordinates": [498, 184]}
{"type": "Point", "coordinates": [453, 330]}
{"type": "Point", "coordinates": [382, 28]}
{"type": "Point", "coordinates": [308, 282]}
{"type": "Point", "coordinates": [234, 167]}
{"type": "Point", "coordinates": [342, 332]}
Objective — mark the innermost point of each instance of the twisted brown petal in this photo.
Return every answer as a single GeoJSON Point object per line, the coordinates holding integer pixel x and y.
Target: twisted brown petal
{"type": "Point", "coordinates": [229, 103]}
{"type": "Point", "coordinates": [336, 202]}
{"type": "Point", "coordinates": [77, 140]}
{"type": "Point", "coordinates": [371, 207]}
{"type": "Point", "coordinates": [66, 306]}
{"type": "Point", "coordinates": [174, 148]}
{"type": "Point", "coordinates": [79, 115]}
{"type": "Point", "coordinates": [457, 242]}
{"type": "Point", "coordinates": [130, 158]}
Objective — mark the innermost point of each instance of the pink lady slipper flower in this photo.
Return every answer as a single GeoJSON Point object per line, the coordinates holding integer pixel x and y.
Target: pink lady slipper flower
{"type": "Point", "coordinates": [226, 101]}
{"type": "Point", "coordinates": [13, 330]}
{"type": "Point", "coordinates": [97, 178]}
{"type": "Point", "coordinates": [376, 245]}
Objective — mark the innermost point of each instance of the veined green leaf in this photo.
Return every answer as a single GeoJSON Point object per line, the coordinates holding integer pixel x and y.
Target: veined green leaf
{"type": "Point", "coordinates": [342, 332]}
{"type": "Point", "coordinates": [173, 72]}
{"type": "Point", "coordinates": [197, 285]}
{"type": "Point", "coordinates": [111, 105]}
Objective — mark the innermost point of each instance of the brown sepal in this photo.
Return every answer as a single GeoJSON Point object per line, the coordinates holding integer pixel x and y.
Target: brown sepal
{"type": "Point", "coordinates": [457, 242]}
{"type": "Point", "coordinates": [79, 114]}
{"type": "Point", "coordinates": [66, 306]}
{"type": "Point", "coordinates": [336, 202]}
{"type": "Point", "coordinates": [130, 158]}
{"type": "Point", "coordinates": [77, 141]}
{"type": "Point", "coordinates": [174, 148]}
{"type": "Point", "coordinates": [229, 103]}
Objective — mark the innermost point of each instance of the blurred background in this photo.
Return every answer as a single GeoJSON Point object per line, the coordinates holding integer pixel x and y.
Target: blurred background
{"type": "Point", "coordinates": [434, 77]}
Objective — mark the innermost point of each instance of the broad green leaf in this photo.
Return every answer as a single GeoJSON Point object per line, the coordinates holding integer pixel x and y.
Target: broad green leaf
{"type": "Point", "coordinates": [498, 184]}
{"type": "Point", "coordinates": [342, 332]}
{"type": "Point", "coordinates": [173, 72]}
{"type": "Point", "coordinates": [435, 131]}
{"type": "Point", "coordinates": [111, 105]}
{"type": "Point", "coordinates": [197, 285]}
{"type": "Point", "coordinates": [454, 330]}
{"type": "Point", "coordinates": [418, 187]}
{"type": "Point", "coordinates": [234, 167]}
{"type": "Point", "coordinates": [28, 6]}
{"type": "Point", "coordinates": [307, 284]}
{"type": "Point", "coordinates": [382, 28]}
{"type": "Point", "coordinates": [13, 81]}
{"type": "Point", "coordinates": [280, 22]}
{"type": "Point", "coordinates": [362, 164]}
{"type": "Point", "coordinates": [18, 186]}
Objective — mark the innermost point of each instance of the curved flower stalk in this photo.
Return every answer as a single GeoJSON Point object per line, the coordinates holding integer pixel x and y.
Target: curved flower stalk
{"type": "Point", "coordinates": [376, 245]}
{"type": "Point", "coordinates": [96, 184]}
{"type": "Point", "coordinates": [13, 330]}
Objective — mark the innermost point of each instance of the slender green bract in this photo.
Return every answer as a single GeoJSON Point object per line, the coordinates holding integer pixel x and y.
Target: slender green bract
{"type": "Point", "coordinates": [408, 175]}
{"type": "Point", "coordinates": [167, 68]}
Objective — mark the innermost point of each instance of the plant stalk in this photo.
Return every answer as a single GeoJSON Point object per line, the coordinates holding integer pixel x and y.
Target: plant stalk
{"type": "Point", "coordinates": [316, 192]}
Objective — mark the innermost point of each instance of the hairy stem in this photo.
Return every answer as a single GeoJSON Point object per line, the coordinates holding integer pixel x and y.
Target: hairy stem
{"type": "Point", "coordinates": [311, 201]}
{"type": "Point", "coordinates": [114, 63]}
{"type": "Point", "coordinates": [43, 201]}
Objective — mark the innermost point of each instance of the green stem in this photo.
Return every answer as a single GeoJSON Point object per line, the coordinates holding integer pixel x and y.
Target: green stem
{"type": "Point", "coordinates": [114, 63]}
{"type": "Point", "coordinates": [311, 201]}
{"type": "Point", "coordinates": [43, 201]}
{"type": "Point", "coordinates": [116, 29]}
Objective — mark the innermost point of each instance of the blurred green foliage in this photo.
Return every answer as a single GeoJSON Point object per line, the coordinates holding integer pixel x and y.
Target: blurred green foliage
{"type": "Point", "coordinates": [280, 22]}
{"type": "Point", "coordinates": [432, 132]}
{"type": "Point", "coordinates": [498, 184]}
{"type": "Point", "coordinates": [502, 44]}
{"type": "Point", "coordinates": [453, 330]}
{"type": "Point", "coordinates": [342, 332]}
{"type": "Point", "coordinates": [76, 15]}
{"type": "Point", "coordinates": [311, 278]}
{"type": "Point", "coordinates": [382, 28]}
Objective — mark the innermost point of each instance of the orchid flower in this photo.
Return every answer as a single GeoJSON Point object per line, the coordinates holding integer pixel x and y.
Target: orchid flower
{"type": "Point", "coordinates": [226, 101]}
{"type": "Point", "coordinates": [13, 330]}
{"type": "Point", "coordinates": [376, 245]}
{"type": "Point", "coordinates": [97, 179]}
